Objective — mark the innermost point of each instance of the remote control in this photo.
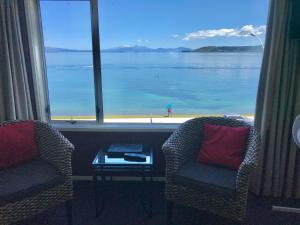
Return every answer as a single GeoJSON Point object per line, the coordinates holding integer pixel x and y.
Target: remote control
{"type": "Point", "coordinates": [135, 157]}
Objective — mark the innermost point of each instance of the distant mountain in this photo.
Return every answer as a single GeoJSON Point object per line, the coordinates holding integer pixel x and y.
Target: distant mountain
{"type": "Point", "coordinates": [54, 49]}
{"type": "Point", "coordinates": [256, 48]}
{"type": "Point", "coordinates": [179, 49]}
{"type": "Point", "coordinates": [135, 48]}
{"type": "Point", "coordinates": [138, 48]}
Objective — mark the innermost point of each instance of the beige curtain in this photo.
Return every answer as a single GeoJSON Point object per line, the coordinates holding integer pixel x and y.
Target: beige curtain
{"type": "Point", "coordinates": [278, 103]}
{"type": "Point", "coordinates": [36, 57]}
{"type": "Point", "coordinates": [15, 96]}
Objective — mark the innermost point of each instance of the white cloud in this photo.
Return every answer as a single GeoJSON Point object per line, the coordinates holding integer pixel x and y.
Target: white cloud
{"type": "Point", "coordinates": [175, 35]}
{"type": "Point", "coordinates": [142, 40]}
{"type": "Point", "coordinates": [244, 31]}
{"type": "Point", "coordinates": [126, 46]}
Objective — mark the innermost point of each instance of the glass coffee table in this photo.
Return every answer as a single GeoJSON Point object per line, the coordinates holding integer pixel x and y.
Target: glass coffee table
{"type": "Point", "coordinates": [105, 166]}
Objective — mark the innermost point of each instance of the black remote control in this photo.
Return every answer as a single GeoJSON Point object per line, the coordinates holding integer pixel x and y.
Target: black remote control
{"type": "Point", "coordinates": [135, 157]}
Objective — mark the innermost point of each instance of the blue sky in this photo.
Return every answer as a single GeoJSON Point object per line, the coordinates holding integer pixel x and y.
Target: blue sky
{"type": "Point", "coordinates": [155, 23]}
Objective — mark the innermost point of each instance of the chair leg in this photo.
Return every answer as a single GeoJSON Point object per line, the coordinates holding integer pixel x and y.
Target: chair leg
{"type": "Point", "coordinates": [170, 206]}
{"type": "Point", "coordinates": [69, 212]}
{"type": "Point", "coordinates": [243, 222]}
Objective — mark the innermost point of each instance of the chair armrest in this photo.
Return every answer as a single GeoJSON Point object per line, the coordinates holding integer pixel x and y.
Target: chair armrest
{"type": "Point", "coordinates": [250, 161]}
{"type": "Point", "coordinates": [54, 147]}
{"type": "Point", "coordinates": [181, 146]}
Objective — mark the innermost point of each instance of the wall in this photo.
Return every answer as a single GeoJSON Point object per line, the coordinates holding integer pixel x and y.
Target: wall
{"type": "Point", "coordinates": [88, 143]}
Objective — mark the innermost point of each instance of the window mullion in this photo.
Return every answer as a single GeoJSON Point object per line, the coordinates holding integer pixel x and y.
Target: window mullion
{"type": "Point", "coordinates": [96, 60]}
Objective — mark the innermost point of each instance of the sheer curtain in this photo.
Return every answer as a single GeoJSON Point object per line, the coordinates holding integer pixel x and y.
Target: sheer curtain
{"type": "Point", "coordinates": [37, 57]}
{"type": "Point", "coordinates": [22, 80]}
{"type": "Point", "coordinates": [15, 96]}
{"type": "Point", "coordinates": [278, 103]}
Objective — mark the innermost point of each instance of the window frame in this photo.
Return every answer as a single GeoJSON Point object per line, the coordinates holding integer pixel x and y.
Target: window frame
{"type": "Point", "coordinates": [96, 61]}
{"type": "Point", "coordinates": [98, 124]}
{"type": "Point", "coordinates": [96, 57]}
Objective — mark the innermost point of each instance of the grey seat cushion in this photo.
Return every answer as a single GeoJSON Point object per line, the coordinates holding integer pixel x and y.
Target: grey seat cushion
{"type": "Point", "coordinates": [207, 178]}
{"type": "Point", "coordinates": [26, 180]}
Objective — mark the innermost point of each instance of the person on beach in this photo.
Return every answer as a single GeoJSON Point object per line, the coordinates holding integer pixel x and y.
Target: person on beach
{"type": "Point", "coordinates": [169, 109]}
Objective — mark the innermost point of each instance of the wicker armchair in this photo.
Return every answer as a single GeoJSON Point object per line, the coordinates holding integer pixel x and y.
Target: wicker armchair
{"type": "Point", "coordinates": [182, 146]}
{"type": "Point", "coordinates": [54, 155]}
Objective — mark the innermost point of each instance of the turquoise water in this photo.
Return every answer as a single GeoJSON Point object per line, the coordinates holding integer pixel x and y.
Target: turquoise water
{"type": "Point", "coordinates": [145, 83]}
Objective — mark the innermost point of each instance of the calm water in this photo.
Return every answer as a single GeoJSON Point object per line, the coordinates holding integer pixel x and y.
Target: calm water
{"type": "Point", "coordinates": [144, 83]}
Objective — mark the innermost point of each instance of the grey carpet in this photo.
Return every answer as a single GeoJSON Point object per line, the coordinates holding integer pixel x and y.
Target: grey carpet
{"type": "Point", "coordinates": [123, 207]}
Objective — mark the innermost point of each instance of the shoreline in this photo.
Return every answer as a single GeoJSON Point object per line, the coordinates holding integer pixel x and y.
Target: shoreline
{"type": "Point", "coordinates": [145, 118]}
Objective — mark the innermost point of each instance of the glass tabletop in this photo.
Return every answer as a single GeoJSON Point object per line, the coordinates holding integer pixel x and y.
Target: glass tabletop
{"type": "Point", "coordinates": [102, 158]}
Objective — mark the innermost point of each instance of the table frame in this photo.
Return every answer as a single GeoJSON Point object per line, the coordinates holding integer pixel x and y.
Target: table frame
{"type": "Point", "coordinates": [109, 170]}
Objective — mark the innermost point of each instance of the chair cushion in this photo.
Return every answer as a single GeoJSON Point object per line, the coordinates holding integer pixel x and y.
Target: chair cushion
{"type": "Point", "coordinates": [17, 143]}
{"type": "Point", "coordinates": [223, 145]}
{"type": "Point", "coordinates": [207, 177]}
{"type": "Point", "coordinates": [27, 179]}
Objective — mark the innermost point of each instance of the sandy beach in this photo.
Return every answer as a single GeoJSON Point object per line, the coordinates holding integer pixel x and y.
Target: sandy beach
{"type": "Point", "coordinates": [143, 119]}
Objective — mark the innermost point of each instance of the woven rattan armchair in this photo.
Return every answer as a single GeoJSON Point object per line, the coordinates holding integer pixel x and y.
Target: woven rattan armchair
{"type": "Point", "coordinates": [54, 156]}
{"type": "Point", "coordinates": [182, 147]}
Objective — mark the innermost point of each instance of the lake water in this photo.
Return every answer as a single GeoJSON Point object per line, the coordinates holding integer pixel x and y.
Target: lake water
{"type": "Point", "coordinates": [145, 83]}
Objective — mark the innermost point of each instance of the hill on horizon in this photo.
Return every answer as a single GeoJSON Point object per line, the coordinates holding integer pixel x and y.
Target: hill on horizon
{"type": "Point", "coordinates": [138, 48]}
{"type": "Point", "coordinates": [144, 49]}
{"type": "Point", "coordinates": [255, 48]}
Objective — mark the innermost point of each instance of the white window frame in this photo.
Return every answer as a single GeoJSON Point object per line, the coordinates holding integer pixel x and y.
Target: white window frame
{"type": "Point", "coordinates": [83, 125]}
{"type": "Point", "coordinates": [99, 124]}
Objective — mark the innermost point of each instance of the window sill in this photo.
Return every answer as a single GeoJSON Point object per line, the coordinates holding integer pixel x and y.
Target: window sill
{"type": "Point", "coordinates": [92, 127]}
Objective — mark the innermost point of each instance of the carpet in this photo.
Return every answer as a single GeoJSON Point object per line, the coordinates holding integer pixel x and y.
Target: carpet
{"type": "Point", "coordinates": [123, 207]}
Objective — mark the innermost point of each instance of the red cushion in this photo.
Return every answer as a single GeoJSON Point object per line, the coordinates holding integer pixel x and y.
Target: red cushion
{"type": "Point", "coordinates": [17, 144]}
{"type": "Point", "coordinates": [223, 145]}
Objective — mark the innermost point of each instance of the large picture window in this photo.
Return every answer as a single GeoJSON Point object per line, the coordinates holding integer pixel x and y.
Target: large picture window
{"type": "Point", "coordinates": [161, 61]}
{"type": "Point", "coordinates": [69, 61]}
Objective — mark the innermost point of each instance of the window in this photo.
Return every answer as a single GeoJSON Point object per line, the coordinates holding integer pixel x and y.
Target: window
{"type": "Point", "coordinates": [161, 61]}
{"type": "Point", "coordinates": [69, 59]}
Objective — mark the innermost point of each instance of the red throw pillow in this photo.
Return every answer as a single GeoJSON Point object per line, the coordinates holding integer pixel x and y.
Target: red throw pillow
{"type": "Point", "coordinates": [17, 144]}
{"type": "Point", "coordinates": [223, 145]}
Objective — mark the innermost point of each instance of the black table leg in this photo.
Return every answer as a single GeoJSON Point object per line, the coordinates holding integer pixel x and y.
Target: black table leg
{"type": "Point", "coordinates": [69, 205]}
{"type": "Point", "coordinates": [170, 207]}
{"type": "Point", "coordinates": [148, 210]}
{"type": "Point", "coordinates": [96, 191]}
{"type": "Point", "coordinates": [102, 188]}
{"type": "Point", "coordinates": [151, 199]}
{"type": "Point", "coordinates": [143, 190]}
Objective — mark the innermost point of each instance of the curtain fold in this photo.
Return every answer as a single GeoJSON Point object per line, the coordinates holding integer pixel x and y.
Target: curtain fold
{"type": "Point", "coordinates": [15, 94]}
{"type": "Point", "coordinates": [277, 105]}
{"type": "Point", "coordinates": [36, 56]}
